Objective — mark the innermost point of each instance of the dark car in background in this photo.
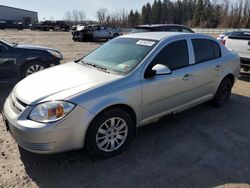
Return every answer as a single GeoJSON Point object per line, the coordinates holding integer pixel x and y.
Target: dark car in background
{"type": "Point", "coordinates": [18, 61]}
{"type": "Point", "coordinates": [11, 25]}
{"type": "Point", "coordinates": [161, 27]}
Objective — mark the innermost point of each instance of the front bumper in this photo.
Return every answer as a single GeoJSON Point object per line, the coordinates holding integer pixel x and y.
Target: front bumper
{"type": "Point", "coordinates": [66, 134]}
{"type": "Point", "coordinates": [245, 63]}
{"type": "Point", "coordinates": [55, 61]}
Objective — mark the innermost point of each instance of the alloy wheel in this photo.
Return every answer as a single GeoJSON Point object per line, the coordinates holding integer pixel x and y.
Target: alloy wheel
{"type": "Point", "coordinates": [112, 134]}
{"type": "Point", "coordinates": [34, 68]}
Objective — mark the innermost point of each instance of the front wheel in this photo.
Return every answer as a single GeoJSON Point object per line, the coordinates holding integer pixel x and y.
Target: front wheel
{"type": "Point", "coordinates": [223, 92]}
{"type": "Point", "coordinates": [109, 133]}
{"type": "Point", "coordinates": [32, 68]}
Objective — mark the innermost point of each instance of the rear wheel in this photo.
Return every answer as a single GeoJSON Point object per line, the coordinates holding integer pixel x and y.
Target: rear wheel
{"type": "Point", "coordinates": [223, 92]}
{"type": "Point", "coordinates": [115, 35]}
{"type": "Point", "coordinates": [109, 133]}
{"type": "Point", "coordinates": [32, 68]}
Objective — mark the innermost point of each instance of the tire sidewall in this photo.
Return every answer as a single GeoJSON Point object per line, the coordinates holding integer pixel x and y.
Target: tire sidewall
{"type": "Point", "coordinates": [95, 125]}
{"type": "Point", "coordinates": [225, 83]}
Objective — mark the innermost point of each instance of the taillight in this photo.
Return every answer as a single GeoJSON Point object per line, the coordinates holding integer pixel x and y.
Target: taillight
{"type": "Point", "coordinates": [223, 42]}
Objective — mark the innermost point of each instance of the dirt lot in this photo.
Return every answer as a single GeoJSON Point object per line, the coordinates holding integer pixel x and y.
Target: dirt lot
{"type": "Point", "coordinates": [201, 147]}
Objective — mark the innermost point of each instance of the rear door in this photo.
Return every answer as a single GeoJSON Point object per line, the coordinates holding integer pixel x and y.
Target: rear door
{"type": "Point", "coordinates": [207, 66]}
{"type": "Point", "coordinates": [8, 71]}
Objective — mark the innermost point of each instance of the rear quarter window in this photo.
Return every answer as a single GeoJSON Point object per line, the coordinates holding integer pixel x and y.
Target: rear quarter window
{"type": "Point", "coordinates": [205, 50]}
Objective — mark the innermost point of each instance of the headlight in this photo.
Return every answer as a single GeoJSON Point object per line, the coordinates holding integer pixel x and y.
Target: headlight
{"type": "Point", "coordinates": [55, 54]}
{"type": "Point", "coordinates": [50, 111]}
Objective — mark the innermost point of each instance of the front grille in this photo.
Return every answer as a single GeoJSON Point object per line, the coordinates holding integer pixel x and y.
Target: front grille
{"type": "Point", "coordinates": [245, 61]}
{"type": "Point", "coordinates": [16, 104]}
{"type": "Point", "coordinates": [15, 108]}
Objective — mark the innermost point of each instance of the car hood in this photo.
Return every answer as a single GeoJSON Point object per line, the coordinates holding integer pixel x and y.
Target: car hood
{"type": "Point", "coordinates": [60, 82]}
{"type": "Point", "coordinates": [33, 47]}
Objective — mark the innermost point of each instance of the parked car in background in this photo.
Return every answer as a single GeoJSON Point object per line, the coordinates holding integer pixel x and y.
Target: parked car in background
{"type": "Point", "coordinates": [50, 25]}
{"type": "Point", "coordinates": [126, 83]}
{"type": "Point", "coordinates": [95, 32]}
{"type": "Point", "coordinates": [11, 25]}
{"type": "Point", "coordinates": [221, 37]}
{"type": "Point", "coordinates": [239, 41]}
{"type": "Point", "coordinates": [18, 61]}
{"type": "Point", "coordinates": [161, 27]}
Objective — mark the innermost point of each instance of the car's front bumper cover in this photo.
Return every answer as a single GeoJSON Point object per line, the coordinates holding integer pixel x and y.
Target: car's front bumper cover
{"type": "Point", "coordinates": [66, 134]}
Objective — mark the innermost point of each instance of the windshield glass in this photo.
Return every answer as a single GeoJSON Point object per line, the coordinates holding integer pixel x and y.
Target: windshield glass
{"type": "Point", "coordinates": [120, 55]}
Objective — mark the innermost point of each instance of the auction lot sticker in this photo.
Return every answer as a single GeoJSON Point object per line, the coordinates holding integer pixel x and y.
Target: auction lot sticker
{"type": "Point", "coordinates": [145, 43]}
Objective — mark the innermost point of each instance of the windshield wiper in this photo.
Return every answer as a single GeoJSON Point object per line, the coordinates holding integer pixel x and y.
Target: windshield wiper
{"type": "Point", "coordinates": [98, 67]}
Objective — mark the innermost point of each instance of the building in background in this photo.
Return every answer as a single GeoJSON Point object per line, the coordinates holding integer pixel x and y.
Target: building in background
{"type": "Point", "coordinates": [16, 14]}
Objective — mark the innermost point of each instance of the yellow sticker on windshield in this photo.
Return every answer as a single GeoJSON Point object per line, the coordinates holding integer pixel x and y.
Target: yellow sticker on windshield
{"type": "Point", "coordinates": [145, 43]}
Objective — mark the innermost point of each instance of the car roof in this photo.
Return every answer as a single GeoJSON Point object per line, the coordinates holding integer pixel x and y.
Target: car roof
{"type": "Point", "coordinates": [160, 25]}
{"type": "Point", "coordinates": [157, 35]}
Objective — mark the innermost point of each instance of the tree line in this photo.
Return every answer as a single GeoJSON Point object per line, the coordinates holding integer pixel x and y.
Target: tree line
{"type": "Point", "coordinates": [193, 13]}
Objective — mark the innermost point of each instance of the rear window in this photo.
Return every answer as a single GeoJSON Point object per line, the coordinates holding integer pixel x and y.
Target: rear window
{"type": "Point", "coordinates": [205, 50]}
{"type": "Point", "coordinates": [240, 35]}
{"type": "Point", "coordinates": [140, 30]}
{"type": "Point", "coordinates": [187, 31]}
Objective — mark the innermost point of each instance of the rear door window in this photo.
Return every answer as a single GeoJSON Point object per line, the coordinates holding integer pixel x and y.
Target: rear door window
{"type": "Point", "coordinates": [205, 50]}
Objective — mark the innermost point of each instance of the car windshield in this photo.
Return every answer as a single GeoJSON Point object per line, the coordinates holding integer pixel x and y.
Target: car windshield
{"type": "Point", "coordinates": [120, 55]}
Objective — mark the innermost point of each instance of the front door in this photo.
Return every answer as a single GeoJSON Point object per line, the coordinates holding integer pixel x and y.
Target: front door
{"type": "Point", "coordinates": [163, 93]}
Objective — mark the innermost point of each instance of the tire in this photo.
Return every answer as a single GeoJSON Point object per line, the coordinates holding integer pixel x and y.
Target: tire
{"type": "Point", "coordinates": [223, 92]}
{"type": "Point", "coordinates": [103, 139]}
{"type": "Point", "coordinates": [115, 35]}
{"type": "Point", "coordinates": [35, 66]}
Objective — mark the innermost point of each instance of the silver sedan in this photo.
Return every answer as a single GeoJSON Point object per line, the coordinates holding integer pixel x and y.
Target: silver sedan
{"type": "Point", "coordinates": [100, 100]}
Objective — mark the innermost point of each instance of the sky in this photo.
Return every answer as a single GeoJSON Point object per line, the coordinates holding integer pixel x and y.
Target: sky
{"type": "Point", "coordinates": [51, 9]}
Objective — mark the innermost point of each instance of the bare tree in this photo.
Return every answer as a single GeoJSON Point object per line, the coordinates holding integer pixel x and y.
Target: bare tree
{"type": "Point", "coordinates": [82, 16]}
{"type": "Point", "coordinates": [124, 17]}
{"type": "Point", "coordinates": [75, 14]}
{"type": "Point", "coordinates": [68, 16]}
{"type": "Point", "coordinates": [102, 15]}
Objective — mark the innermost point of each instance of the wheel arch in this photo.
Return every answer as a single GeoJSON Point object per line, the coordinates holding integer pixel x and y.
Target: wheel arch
{"type": "Point", "coordinates": [124, 107]}
{"type": "Point", "coordinates": [231, 77]}
{"type": "Point", "coordinates": [116, 34]}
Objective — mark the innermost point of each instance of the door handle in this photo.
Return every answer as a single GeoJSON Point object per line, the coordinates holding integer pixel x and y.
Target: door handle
{"type": "Point", "coordinates": [249, 42]}
{"type": "Point", "coordinates": [187, 77]}
{"type": "Point", "coordinates": [218, 67]}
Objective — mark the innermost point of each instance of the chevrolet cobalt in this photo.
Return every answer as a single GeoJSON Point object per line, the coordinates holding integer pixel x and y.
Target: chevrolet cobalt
{"type": "Point", "coordinates": [100, 100]}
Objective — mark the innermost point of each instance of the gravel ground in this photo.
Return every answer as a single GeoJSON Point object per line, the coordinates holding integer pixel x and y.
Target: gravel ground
{"type": "Point", "coordinates": [201, 147]}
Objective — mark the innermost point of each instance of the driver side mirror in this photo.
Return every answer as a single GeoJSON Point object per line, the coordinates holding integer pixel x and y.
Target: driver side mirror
{"type": "Point", "coordinates": [158, 69]}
